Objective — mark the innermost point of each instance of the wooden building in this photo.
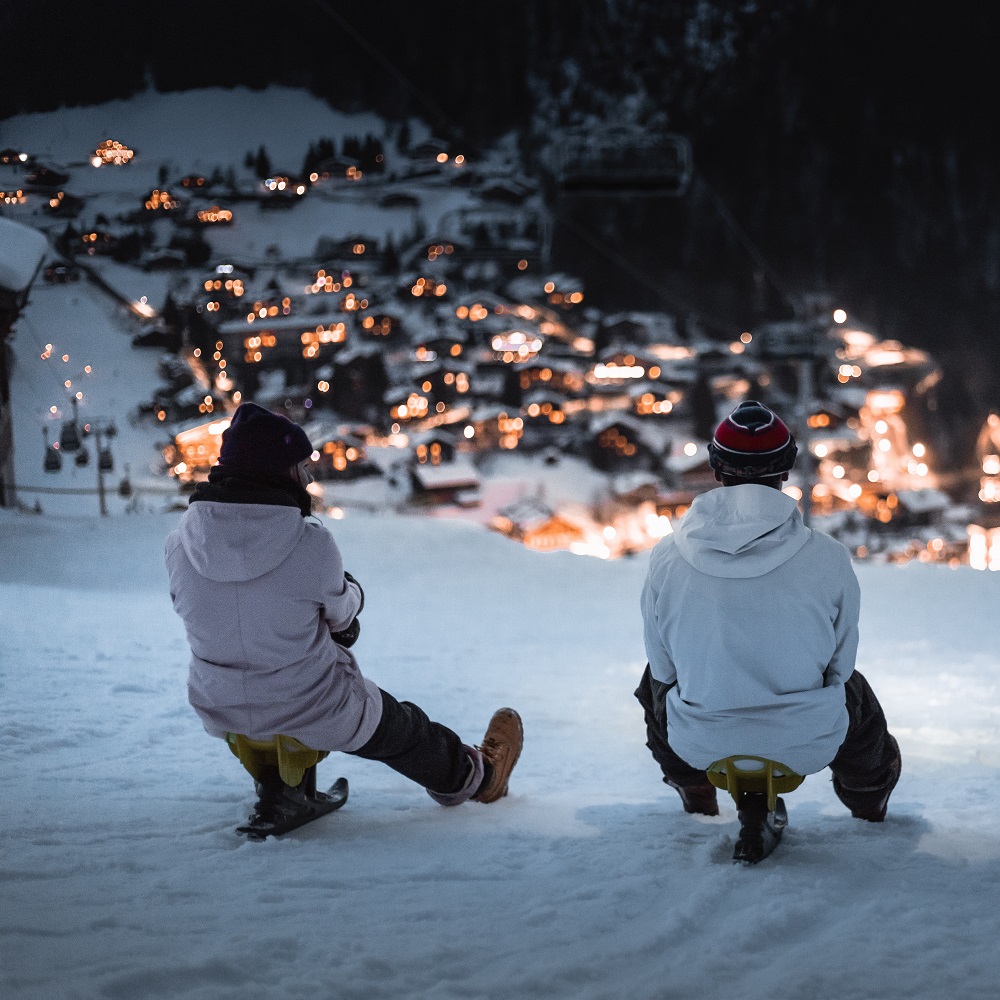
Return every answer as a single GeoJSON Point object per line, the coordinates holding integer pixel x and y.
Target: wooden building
{"type": "Point", "coordinates": [534, 524]}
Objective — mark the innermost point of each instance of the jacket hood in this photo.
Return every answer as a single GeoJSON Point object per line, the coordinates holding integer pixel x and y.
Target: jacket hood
{"type": "Point", "coordinates": [740, 531]}
{"type": "Point", "coordinates": [231, 542]}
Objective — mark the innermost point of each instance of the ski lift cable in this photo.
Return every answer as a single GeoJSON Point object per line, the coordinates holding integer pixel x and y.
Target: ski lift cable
{"type": "Point", "coordinates": [33, 334]}
{"type": "Point", "coordinates": [386, 64]}
{"type": "Point", "coordinates": [751, 248]}
{"type": "Point", "coordinates": [673, 302]}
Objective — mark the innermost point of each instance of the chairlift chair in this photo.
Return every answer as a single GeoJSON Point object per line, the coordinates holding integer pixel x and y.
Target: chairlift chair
{"type": "Point", "coordinates": [53, 459]}
{"type": "Point", "coordinates": [69, 436]}
{"type": "Point", "coordinates": [616, 161]}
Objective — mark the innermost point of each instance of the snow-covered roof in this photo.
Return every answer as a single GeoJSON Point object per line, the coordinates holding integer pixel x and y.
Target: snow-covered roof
{"type": "Point", "coordinates": [629, 482]}
{"type": "Point", "coordinates": [281, 324]}
{"type": "Point", "coordinates": [661, 324]}
{"type": "Point", "coordinates": [22, 250]}
{"type": "Point", "coordinates": [527, 512]}
{"type": "Point", "coordinates": [444, 434]}
{"type": "Point", "coordinates": [923, 501]}
{"type": "Point", "coordinates": [459, 474]}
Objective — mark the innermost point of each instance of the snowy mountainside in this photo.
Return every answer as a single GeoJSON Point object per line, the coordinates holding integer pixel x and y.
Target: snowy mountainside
{"type": "Point", "coordinates": [122, 877]}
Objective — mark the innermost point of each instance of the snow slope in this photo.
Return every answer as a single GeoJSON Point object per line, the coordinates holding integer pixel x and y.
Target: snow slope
{"type": "Point", "coordinates": [121, 877]}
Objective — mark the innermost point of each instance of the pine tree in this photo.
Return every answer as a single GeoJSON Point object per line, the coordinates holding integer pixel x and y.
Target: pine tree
{"type": "Point", "coordinates": [703, 407]}
{"type": "Point", "coordinates": [262, 164]}
{"type": "Point", "coordinates": [390, 257]}
{"type": "Point", "coordinates": [310, 160]}
{"type": "Point", "coordinates": [403, 136]}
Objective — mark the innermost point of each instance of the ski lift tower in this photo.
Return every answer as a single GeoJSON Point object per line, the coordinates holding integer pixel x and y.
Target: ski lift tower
{"type": "Point", "coordinates": [800, 343]}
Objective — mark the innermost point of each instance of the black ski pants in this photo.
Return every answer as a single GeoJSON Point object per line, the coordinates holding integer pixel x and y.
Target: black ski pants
{"type": "Point", "coordinates": [864, 770]}
{"type": "Point", "coordinates": [424, 751]}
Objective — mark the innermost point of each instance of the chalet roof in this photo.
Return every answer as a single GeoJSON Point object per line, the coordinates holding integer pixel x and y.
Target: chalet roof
{"type": "Point", "coordinates": [608, 418]}
{"type": "Point", "coordinates": [678, 461]}
{"type": "Point", "coordinates": [434, 434]}
{"type": "Point", "coordinates": [298, 323]}
{"type": "Point", "coordinates": [22, 250]}
{"type": "Point", "coordinates": [654, 436]}
{"type": "Point", "coordinates": [487, 299]}
{"type": "Point", "coordinates": [459, 474]}
{"type": "Point", "coordinates": [420, 370]}
{"type": "Point", "coordinates": [356, 351]}
{"type": "Point", "coordinates": [488, 411]}
{"type": "Point", "coordinates": [564, 281]}
{"type": "Point", "coordinates": [543, 396]}
{"type": "Point", "coordinates": [320, 432]}
{"type": "Point", "coordinates": [928, 501]}
{"type": "Point", "coordinates": [630, 482]}
{"type": "Point", "coordinates": [662, 325]}
{"type": "Point", "coordinates": [641, 352]}
{"type": "Point", "coordinates": [641, 386]}
{"type": "Point", "coordinates": [527, 512]}
{"type": "Point", "coordinates": [566, 365]}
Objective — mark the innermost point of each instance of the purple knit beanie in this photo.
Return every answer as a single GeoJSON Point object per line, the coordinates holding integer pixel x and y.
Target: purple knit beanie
{"type": "Point", "coordinates": [258, 440]}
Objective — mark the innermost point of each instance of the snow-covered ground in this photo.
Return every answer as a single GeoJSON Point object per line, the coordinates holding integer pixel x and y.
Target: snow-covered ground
{"type": "Point", "coordinates": [121, 876]}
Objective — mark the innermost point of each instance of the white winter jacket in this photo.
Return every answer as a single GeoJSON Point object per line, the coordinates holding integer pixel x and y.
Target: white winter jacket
{"type": "Point", "coordinates": [259, 588]}
{"type": "Point", "coordinates": [755, 617]}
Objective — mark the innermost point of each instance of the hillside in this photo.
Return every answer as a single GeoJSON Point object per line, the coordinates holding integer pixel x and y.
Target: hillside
{"type": "Point", "coordinates": [123, 878]}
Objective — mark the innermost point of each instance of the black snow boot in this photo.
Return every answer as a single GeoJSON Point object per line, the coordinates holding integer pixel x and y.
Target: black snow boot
{"type": "Point", "coordinates": [760, 830]}
{"type": "Point", "coordinates": [870, 802]}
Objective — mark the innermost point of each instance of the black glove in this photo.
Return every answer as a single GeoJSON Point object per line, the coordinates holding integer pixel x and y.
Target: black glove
{"type": "Point", "coordinates": [347, 576]}
{"type": "Point", "coordinates": [349, 636]}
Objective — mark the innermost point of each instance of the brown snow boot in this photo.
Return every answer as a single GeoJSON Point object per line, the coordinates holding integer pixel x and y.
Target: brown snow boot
{"type": "Point", "coordinates": [500, 748]}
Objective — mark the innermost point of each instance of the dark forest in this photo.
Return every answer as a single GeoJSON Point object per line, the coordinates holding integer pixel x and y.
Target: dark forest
{"type": "Point", "coordinates": [850, 140]}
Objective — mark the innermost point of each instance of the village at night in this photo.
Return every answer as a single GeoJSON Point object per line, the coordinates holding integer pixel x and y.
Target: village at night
{"type": "Point", "coordinates": [439, 361]}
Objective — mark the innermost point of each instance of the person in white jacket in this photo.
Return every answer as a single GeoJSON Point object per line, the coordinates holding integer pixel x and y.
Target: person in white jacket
{"type": "Point", "coordinates": [751, 630]}
{"type": "Point", "coordinates": [271, 615]}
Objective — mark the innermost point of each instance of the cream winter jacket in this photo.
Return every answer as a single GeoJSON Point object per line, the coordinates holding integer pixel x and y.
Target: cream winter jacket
{"type": "Point", "coordinates": [755, 617]}
{"type": "Point", "coordinates": [258, 588]}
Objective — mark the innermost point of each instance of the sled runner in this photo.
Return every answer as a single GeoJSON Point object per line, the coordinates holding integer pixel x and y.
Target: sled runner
{"type": "Point", "coordinates": [284, 773]}
{"type": "Point", "coordinates": [755, 784]}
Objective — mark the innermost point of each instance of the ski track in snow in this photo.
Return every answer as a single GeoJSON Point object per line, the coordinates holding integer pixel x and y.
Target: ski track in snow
{"type": "Point", "coordinates": [122, 877]}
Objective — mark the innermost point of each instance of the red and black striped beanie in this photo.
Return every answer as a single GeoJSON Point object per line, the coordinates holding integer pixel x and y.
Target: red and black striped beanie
{"type": "Point", "coordinates": [752, 443]}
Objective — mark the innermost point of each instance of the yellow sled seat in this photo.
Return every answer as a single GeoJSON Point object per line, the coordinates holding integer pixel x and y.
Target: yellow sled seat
{"type": "Point", "coordinates": [746, 773]}
{"type": "Point", "coordinates": [291, 757]}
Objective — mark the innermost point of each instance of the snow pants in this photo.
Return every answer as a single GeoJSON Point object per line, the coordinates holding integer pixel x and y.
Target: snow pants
{"type": "Point", "coordinates": [424, 751]}
{"type": "Point", "coordinates": [864, 771]}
